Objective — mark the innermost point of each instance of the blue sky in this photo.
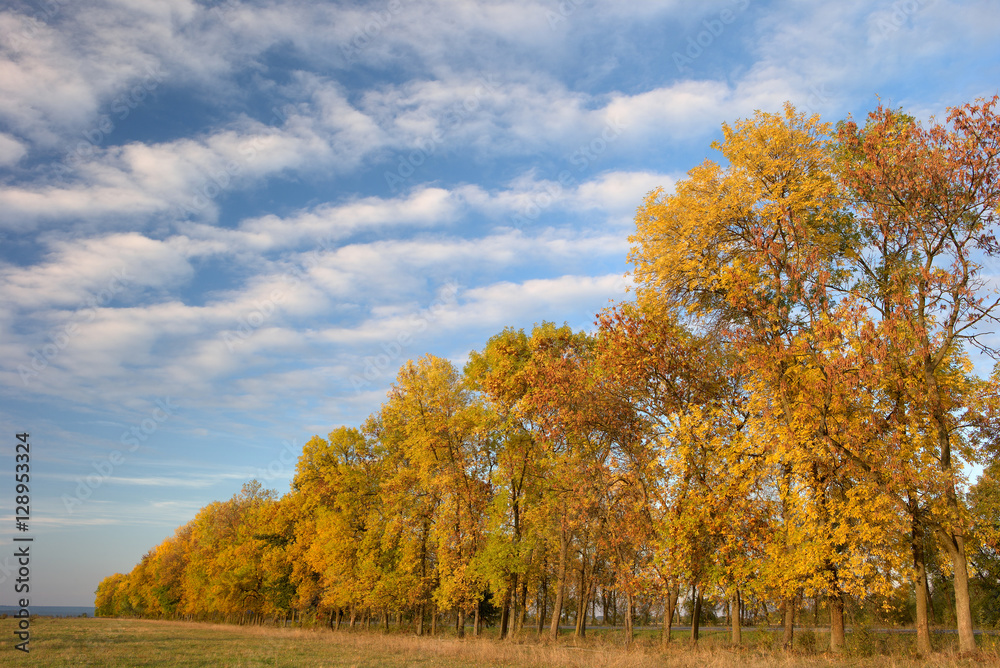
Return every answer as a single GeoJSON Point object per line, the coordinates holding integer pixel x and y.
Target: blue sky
{"type": "Point", "coordinates": [223, 226]}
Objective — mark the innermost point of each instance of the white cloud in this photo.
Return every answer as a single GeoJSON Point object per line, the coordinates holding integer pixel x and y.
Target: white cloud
{"type": "Point", "coordinates": [621, 191]}
{"type": "Point", "coordinates": [11, 150]}
{"type": "Point", "coordinates": [42, 89]}
{"type": "Point", "coordinates": [490, 306]}
{"type": "Point", "coordinates": [186, 177]}
{"type": "Point", "coordinates": [505, 302]}
{"type": "Point", "coordinates": [24, 205]}
{"type": "Point", "coordinates": [424, 207]}
{"type": "Point", "coordinates": [94, 271]}
{"type": "Point", "coordinates": [679, 109]}
{"type": "Point", "coordinates": [177, 481]}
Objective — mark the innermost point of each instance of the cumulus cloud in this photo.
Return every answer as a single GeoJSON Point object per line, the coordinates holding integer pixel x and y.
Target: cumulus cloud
{"type": "Point", "coordinates": [11, 150]}
{"type": "Point", "coordinates": [77, 272]}
{"type": "Point", "coordinates": [621, 191]}
{"type": "Point", "coordinates": [424, 207]}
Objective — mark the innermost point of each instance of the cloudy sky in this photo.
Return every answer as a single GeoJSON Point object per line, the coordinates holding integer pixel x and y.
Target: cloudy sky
{"type": "Point", "coordinates": [224, 225]}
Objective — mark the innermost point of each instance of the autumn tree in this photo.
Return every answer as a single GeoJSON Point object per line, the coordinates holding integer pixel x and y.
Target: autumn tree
{"type": "Point", "coordinates": [502, 375]}
{"type": "Point", "coordinates": [925, 201]}
{"type": "Point", "coordinates": [753, 250]}
{"type": "Point", "coordinates": [335, 494]}
{"type": "Point", "coordinates": [984, 507]}
{"type": "Point", "coordinates": [597, 442]}
{"type": "Point", "coordinates": [107, 601]}
{"type": "Point", "coordinates": [699, 475]}
{"type": "Point", "coordinates": [788, 409]}
{"type": "Point", "coordinates": [433, 489]}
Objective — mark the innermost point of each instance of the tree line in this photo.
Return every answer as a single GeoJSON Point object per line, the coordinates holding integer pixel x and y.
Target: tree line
{"type": "Point", "coordinates": [782, 421]}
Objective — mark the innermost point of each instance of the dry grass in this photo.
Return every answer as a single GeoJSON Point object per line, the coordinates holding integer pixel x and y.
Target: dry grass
{"type": "Point", "coordinates": [127, 643]}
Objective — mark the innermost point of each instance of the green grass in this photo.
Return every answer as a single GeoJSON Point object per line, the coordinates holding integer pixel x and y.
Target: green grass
{"type": "Point", "coordinates": [130, 643]}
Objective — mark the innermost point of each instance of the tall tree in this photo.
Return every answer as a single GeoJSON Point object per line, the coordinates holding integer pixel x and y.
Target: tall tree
{"type": "Point", "coordinates": [434, 488]}
{"type": "Point", "coordinates": [503, 373]}
{"type": "Point", "coordinates": [926, 201]}
{"type": "Point", "coordinates": [752, 250]}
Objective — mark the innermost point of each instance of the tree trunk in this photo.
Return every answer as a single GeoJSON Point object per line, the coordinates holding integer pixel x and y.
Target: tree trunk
{"type": "Point", "coordinates": [434, 620]}
{"type": "Point", "coordinates": [522, 607]}
{"type": "Point", "coordinates": [560, 588]}
{"type": "Point", "coordinates": [696, 617]}
{"type": "Point", "coordinates": [920, 585]}
{"type": "Point", "coordinates": [955, 544]}
{"type": "Point", "coordinates": [505, 613]}
{"type": "Point", "coordinates": [789, 606]}
{"type": "Point", "coordinates": [581, 615]}
{"type": "Point", "coordinates": [694, 593]}
{"type": "Point", "coordinates": [420, 620]}
{"type": "Point", "coordinates": [543, 599]}
{"type": "Point", "coordinates": [836, 603]}
{"type": "Point", "coordinates": [477, 622]}
{"type": "Point", "coordinates": [515, 609]}
{"type": "Point", "coordinates": [461, 623]}
{"type": "Point", "coordinates": [668, 618]}
{"type": "Point", "coordinates": [582, 591]}
{"type": "Point", "coordinates": [932, 615]}
{"type": "Point", "coordinates": [734, 619]}
{"type": "Point", "coordinates": [629, 635]}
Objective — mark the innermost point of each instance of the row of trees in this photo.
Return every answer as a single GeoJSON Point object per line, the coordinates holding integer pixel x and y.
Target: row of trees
{"type": "Point", "coordinates": [786, 410]}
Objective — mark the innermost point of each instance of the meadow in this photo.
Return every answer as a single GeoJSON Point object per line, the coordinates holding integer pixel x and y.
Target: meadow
{"type": "Point", "coordinates": [134, 643]}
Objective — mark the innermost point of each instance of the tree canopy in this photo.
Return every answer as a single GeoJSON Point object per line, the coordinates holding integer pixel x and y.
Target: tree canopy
{"type": "Point", "coordinates": [787, 411]}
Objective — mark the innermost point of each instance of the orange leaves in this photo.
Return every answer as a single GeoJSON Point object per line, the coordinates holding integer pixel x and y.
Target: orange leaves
{"type": "Point", "coordinates": [749, 240]}
{"type": "Point", "coordinates": [788, 397]}
{"type": "Point", "coordinates": [842, 279]}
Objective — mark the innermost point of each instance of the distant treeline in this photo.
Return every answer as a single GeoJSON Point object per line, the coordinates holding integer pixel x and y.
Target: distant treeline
{"type": "Point", "coordinates": [779, 424]}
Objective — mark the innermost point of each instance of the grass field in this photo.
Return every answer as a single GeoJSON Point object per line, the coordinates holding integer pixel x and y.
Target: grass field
{"type": "Point", "coordinates": [130, 643]}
